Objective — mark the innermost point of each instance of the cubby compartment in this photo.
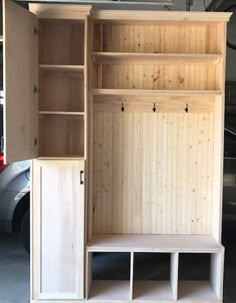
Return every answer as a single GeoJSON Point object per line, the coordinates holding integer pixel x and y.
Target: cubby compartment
{"type": "Point", "coordinates": [61, 135]}
{"type": "Point", "coordinates": [61, 91]}
{"type": "Point", "coordinates": [110, 276]}
{"type": "Point", "coordinates": [187, 38]}
{"type": "Point", "coordinates": [61, 42]}
{"type": "Point", "coordinates": [153, 277]}
{"type": "Point", "coordinates": [200, 277]}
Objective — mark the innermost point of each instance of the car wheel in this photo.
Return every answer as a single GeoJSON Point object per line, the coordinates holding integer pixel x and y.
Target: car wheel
{"type": "Point", "coordinates": [25, 231]}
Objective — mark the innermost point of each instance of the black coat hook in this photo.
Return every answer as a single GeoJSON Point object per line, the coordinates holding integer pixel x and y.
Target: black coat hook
{"type": "Point", "coordinates": [154, 108]}
{"type": "Point", "coordinates": [186, 108]}
{"type": "Point", "coordinates": [122, 107]}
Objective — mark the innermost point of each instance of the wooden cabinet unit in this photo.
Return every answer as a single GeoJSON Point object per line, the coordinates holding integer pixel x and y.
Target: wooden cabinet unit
{"type": "Point", "coordinates": [123, 114]}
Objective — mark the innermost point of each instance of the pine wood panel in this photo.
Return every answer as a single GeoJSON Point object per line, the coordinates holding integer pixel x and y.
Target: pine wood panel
{"type": "Point", "coordinates": [153, 173]}
{"type": "Point", "coordinates": [20, 75]}
{"type": "Point", "coordinates": [61, 91]}
{"type": "Point", "coordinates": [60, 42]}
{"type": "Point", "coordinates": [61, 136]}
{"type": "Point", "coordinates": [158, 76]}
{"type": "Point", "coordinates": [185, 38]}
{"type": "Point", "coordinates": [58, 230]}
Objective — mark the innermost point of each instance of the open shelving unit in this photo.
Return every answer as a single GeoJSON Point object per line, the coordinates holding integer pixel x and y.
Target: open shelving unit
{"type": "Point", "coordinates": [156, 123]}
{"type": "Point", "coordinates": [62, 89]}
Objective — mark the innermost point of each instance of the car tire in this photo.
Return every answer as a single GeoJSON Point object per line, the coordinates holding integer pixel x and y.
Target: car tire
{"type": "Point", "coordinates": [25, 231]}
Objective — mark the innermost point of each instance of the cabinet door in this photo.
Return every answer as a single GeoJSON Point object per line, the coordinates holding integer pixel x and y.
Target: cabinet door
{"type": "Point", "coordinates": [20, 65]}
{"type": "Point", "coordinates": [57, 234]}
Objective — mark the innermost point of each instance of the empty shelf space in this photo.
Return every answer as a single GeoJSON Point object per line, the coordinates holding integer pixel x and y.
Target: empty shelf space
{"type": "Point", "coordinates": [154, 93]}
{"type": "Point", "coordinates": [153, 291]}
{"type": "Point", "coordinates": [152, 243]}
{"type": "Point", "coordinates": [151, 276]}
{"type": "Point", "coordinates": [61, 92]}
{"type": "Point", "coordinates": [61, 68]}
{"type": "Point", "coordinates": [201, 291]}
{"type": "Point", "coordinates": [61, 113]}
{"type": "Point", "coordinates": [142, 58]}
{"type": "Point", "coordinates": [61, 42]}
{"type": "Point", "coordinates": [61, 136]}
{"type": "Point", "coordinates": [110, 276]}
{"type": "Point", "coordinates": [110, 290]}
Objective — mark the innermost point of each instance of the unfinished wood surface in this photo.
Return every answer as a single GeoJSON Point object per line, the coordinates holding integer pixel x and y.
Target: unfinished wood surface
{"type": "Point", "coordinates": [58, 230]}
{"type": "Point", "coordinates": [196, 291]}
{"type": "Point", "coordinates": [61, 42]}
{"type": "Point", "coordinates": [169, 17]}
{"type": "Point", "coordinates": [158, 77]}
{"type": "Point", "coordinates": [217, 273]}
{"type": "Point", "coordinates": [41, 112]}
{"type": "Point", "coordinates": [111, 290]}
{"type": "Point", "coordinates": [60, 11]}
{"type": "Point", "coordinates": [153, 93]}
{"type": "Point", "coordinates": [20, 49]}
{"type": "Point", "coordinates": [61, 68]}
{"type": "Point", "coordinates": [153, 243]}
{"type": "Point", "coordinates": [61, 136]}
{"type": "Point", "coordinates": [61, 91]}
{"type": "Point", "coordinates": [113, 104]}
{"type": "Point", "coordinates": [155, 38]}
{"type": "Point", "coordinates": [174, 269]}
{"type": "Point", "coordinates": [141, 58]}
{"type": "Point", "coordinates": [162, 150]}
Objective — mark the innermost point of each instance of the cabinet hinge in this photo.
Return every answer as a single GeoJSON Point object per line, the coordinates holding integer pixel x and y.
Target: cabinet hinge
{"type": "Point", "coordinates": [36, 30]}
{"type": "Point", "coordinates": [36, 142]}
{"type": "Point", "coordinates": [36, 90]}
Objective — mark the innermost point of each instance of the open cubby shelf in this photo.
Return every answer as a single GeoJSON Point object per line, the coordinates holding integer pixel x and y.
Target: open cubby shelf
{"type": "Point", "coordinates": [61, 42]}
{"type": "Point", "coordinates": [61, 136]}
{"type": "Point", "coordinates": [188, 38]}
{"type": "Point", "coordinates": [154, 277]}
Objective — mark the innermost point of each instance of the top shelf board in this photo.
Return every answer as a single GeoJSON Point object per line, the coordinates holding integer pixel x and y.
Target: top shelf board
{"type": "Point", "coordinates": [117, 16]}
{"type": "Point", "coordinates": [156, 58]}
{"type": "Point", "coordinates": [154, 243]}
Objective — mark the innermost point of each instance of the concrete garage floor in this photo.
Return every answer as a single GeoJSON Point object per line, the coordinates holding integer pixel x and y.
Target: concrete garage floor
{"type": "Point", "coordinates": [14, 270]}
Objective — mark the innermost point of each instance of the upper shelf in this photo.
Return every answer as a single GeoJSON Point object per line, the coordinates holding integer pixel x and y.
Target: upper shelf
{"type": "Point", "coordinates": [154, 243]}
{"type": "Point", "coordinates": [62, 68]}
{"type": "Point", "coordinates": [154, 93]}
{"type": "Point", "coordinates": [142, 58]}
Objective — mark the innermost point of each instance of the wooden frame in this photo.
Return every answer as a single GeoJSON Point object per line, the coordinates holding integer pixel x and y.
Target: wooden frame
{"type": "Point", "coordinates": [135, 99]}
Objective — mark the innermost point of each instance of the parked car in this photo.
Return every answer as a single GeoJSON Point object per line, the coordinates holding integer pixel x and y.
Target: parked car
{"type": "Point", "coordinates": [15, 197]}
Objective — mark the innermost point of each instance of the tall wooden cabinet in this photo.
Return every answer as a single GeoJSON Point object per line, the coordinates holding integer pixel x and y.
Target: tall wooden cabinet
{"type": "Point", "coordinates": [123, 114]}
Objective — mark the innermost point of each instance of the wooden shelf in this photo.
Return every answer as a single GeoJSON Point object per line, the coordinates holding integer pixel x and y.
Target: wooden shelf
{"type": "Point", "coordinates": [153, 243]}
{"type": "Point", "coordinates": [152, 291]}
{"type": "Point", "coordinates": [201, 291]}
{"type": "Point", "coordinates": [110, 290]}
{"type": "Point", "coordinates": [155, 58]}
{"type": "Point", "coordinates": [61, 68]}
{"type": "Point", "coordinates": [155, 93]}
{"type": "Point", "coordinates": [42, 112]}
{"type": "Point", "coordinates": [61, 158]}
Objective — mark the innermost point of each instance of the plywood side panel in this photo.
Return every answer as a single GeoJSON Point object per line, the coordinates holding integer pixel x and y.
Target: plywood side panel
{"type": "Point", "coordinates": [153, 172]}
{"type": "Point", "coordinates": [153, 38]}
{"type": "Point", "coordinates": [158, 76]}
